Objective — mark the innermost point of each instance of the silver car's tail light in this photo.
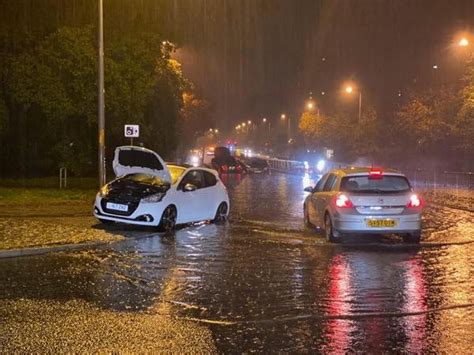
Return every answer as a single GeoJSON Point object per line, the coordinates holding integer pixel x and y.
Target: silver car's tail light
{"type": "Point", "coordinates": [415, 201]}
{"type": "Point", "coordinates": [342, 201]}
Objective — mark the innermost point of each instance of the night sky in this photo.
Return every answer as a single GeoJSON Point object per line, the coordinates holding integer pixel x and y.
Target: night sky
{"type": "Point", "coordinates": [258, 58]}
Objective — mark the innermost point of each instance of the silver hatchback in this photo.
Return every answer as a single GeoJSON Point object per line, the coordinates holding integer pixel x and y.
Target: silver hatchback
{"type": "Point", "coordinates": [364, 200]}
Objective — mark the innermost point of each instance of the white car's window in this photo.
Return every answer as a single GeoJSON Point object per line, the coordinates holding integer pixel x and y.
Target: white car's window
{"type": "Point", "coordinates": [383, 184]}
{"type": "Point", "coordinates": [209, 178]}
{"type": "Point", "coordinates": [194, 177]}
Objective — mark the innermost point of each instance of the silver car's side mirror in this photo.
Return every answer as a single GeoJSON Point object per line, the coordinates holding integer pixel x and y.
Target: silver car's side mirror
{"type": "Point", "coordinates": [189, 187]}
{"type": "Point", "coordinates": [308, 189]}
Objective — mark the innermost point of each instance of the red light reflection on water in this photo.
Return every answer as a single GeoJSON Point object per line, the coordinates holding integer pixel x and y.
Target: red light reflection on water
{"type": "Point", "coordinates": [339, 304]}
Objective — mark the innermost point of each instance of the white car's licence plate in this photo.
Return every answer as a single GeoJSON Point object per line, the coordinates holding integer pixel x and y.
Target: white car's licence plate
{"type": "Point", "coordinates": [117, 207]}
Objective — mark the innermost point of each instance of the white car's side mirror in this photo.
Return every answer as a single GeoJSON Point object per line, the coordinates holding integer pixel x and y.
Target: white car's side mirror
{"type": "Point", "coordinates": [189, 187]}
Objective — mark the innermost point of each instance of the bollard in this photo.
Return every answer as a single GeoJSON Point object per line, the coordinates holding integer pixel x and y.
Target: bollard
{"type": "Point", "coordinates": [62, 178]}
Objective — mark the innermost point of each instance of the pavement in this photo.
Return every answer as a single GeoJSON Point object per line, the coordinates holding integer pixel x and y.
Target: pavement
{"type": "Point", "coordinates": [37, 326]}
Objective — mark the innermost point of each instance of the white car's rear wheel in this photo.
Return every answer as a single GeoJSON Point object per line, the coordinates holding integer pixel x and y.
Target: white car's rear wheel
{"type": "Point", "coordinates": [168, 220]}
{"type": "Point", "coordinates": [221, 214]}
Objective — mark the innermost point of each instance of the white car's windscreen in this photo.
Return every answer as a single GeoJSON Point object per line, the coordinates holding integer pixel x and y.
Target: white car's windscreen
{"type": "Point", "coordinates": [380, 184]}
{"type": "Point", "coordinates": [143, 179]}
{"type": "Point", "coordinates": [176, 172]}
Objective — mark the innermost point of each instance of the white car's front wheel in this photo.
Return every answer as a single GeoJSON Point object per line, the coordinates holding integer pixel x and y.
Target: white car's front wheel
{"type": "Point", "coordinates": [221, 214]}
{"type": "Point", "coordinates": [168, 219]}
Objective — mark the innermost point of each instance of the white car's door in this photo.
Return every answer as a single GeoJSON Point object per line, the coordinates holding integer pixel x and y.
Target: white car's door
{"type": "Point", "coordinates": [213, 195]}
{"type": "Point", "coordinates": [189, 203]}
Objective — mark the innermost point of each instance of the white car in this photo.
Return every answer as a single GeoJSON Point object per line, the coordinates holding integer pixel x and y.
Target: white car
{"type": "Point", "coordinates": [364, 200]}
{"type": "Point", "coordinates": [149, 192]}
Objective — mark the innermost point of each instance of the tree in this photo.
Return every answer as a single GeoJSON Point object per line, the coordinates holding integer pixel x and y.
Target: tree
{"type": "Point", "coordinates": [426, 121]}
{"type": "Point", "coordinates": [464, 125]}
{"type": "Point", "coordinates": [53, 87]}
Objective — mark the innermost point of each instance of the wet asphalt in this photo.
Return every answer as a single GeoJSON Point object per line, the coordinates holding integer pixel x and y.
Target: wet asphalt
{"type": "Point", "coordinates": [260, 283]}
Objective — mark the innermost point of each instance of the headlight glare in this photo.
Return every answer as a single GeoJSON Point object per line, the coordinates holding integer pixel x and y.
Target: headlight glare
{"type": "Point", "coordinates": [154, 198]}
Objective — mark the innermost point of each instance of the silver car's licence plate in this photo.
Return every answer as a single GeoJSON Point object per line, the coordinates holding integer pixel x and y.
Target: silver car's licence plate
{"type": "Point", "coordinates": [117, 207]}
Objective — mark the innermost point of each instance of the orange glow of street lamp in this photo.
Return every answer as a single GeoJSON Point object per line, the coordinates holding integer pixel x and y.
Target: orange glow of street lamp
{"type": "Point", "coordinates": [349, 89]}
{"type": "Point", "coordinates": [243, 124]}
{"type": "Point", "coordinates": [264, 120]}
{"type": "Point", "coordinates": [249, 122]}
{"type": "Point", "coordinates": [310, 105]}
{"type": "Point", "coordinates": [283, 116]}
{"type": "Point", "coordinates": [463, 42]}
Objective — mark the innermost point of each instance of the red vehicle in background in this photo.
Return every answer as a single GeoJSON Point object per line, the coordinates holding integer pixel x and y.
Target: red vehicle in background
{"type": "Point", "coordinates": [225, 163]}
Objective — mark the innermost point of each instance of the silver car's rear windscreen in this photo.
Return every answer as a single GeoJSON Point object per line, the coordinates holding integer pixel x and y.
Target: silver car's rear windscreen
{"type": "Point", "coordinates": [379, 184]}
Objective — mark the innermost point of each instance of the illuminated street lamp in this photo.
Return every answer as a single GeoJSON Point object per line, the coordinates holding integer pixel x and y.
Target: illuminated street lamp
{"type": "Point", "coordinates": [349, 89]}
{"type": "Point", "coordinates": [463, 42]}
{"type": "Point", "coordinates": [264, 120]}
{"type": "Point", "coordinates": [283, 117]}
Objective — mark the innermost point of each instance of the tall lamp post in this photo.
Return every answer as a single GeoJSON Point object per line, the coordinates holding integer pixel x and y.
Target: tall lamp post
{"type": "Point", "coordinates": [349, 89]}
{"type": "Point", "coordinates": [101, 118]}
{"type": "Point", "coordinates": [284, 117]}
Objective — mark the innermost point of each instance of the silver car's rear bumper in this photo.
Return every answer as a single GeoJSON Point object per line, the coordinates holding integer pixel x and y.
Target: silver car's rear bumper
{"type": "Point", "coordinates": [409, 223]}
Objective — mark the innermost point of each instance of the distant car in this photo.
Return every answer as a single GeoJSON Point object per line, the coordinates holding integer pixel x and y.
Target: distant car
{"type": "Point", "coordinates": [225, 163]}
{"type": "Point", "coordinates": [149, 192]}
{"type": "Point", "coordinates": [257, 166]}
{"type": "Point", "coordinates": [364, 200]}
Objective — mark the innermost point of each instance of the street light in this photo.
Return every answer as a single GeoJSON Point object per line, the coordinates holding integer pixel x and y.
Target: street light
{"type": "Point", "coordinates": [463, 42]}
{"type": "Point", "coordinates": [264, 120]}
{"type": "Point", "coordinates": [283, 117]}
{"type": "Point", "coordinates": [349, 90]}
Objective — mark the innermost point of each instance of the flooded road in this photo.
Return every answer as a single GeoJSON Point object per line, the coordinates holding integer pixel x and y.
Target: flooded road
{"type": "Point", "coordinates": [264, 283]}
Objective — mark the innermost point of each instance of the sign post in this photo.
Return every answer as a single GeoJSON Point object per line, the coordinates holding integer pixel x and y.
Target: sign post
{"type": "Point", "coordinates": [132, 131]}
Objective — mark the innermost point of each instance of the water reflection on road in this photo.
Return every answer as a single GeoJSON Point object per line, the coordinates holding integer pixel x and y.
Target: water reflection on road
{"type": "Point", "coordinates": [262, 282]}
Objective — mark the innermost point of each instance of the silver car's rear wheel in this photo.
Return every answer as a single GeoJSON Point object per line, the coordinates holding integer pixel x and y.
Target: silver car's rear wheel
{"type": "Point", "coordinates": [329, 231]}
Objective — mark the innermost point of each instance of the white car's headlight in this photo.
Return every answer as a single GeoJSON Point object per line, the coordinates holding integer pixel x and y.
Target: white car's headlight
{"type": "Point", "coordinates": [153, 198]}
{"type": "Point", "coordinates": [103, 191]}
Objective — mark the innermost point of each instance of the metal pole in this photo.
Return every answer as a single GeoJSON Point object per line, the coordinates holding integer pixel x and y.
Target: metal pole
{"type": "Point", "coordinates": [101, 118]}
{"type": "Point", "coordinates": [360, 104]}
